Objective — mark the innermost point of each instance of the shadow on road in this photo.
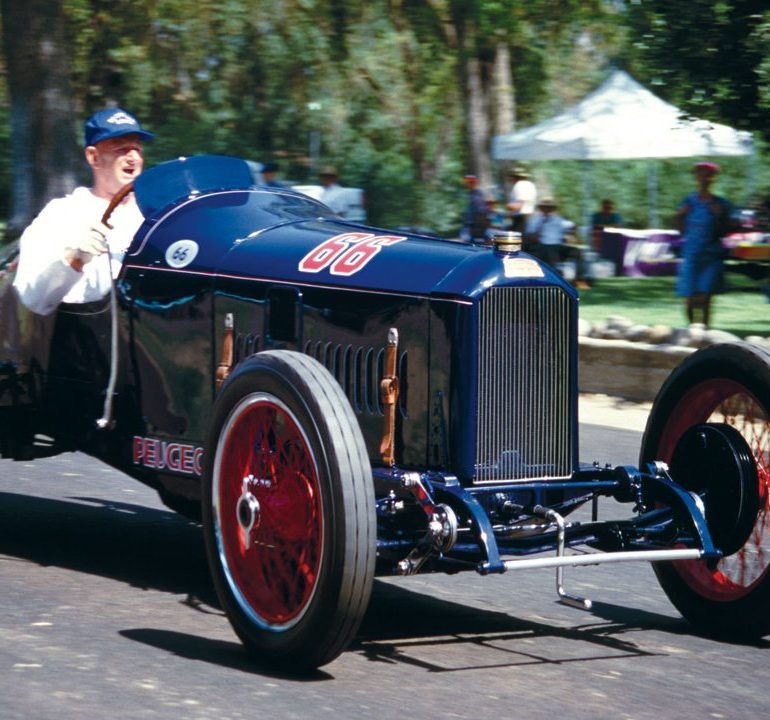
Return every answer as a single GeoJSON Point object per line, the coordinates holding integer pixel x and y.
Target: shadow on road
{"type": "Point", "coordinates": [434, 635]}
{"type": "Point", "coordinates": [140, 546]}
{"type": "Point", "coordinates": [232, 655]}
{"type": "Point", "coordinates": [419, 630]}
{"type": "Point", "coordinates": [156, 549]}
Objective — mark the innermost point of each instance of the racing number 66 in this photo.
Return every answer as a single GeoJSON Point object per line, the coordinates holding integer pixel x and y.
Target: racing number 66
{"type": "Point", "coordinates": [346, 254]}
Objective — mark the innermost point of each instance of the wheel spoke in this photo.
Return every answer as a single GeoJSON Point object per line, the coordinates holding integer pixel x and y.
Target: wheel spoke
{"type": "Point", "coordinates": [726, 401]}
{"type": "Point", "coordinates": [275, 568]}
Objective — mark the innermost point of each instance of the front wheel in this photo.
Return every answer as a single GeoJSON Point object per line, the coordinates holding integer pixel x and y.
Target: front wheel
{"type": "Point", "coordinates": [727, 384]}
{"type": "Point", "coordinates": [288, 510]}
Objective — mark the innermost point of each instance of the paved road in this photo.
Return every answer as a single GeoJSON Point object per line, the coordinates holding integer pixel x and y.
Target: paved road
{"type": "Point", "coordinates": [106, 610]}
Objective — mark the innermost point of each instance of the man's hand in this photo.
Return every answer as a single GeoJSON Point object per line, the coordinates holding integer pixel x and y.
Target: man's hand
{"type": "Point", "coordinates": [93, 242]}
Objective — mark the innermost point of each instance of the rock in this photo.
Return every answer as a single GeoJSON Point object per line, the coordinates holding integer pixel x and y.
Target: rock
{"type": "Point", "coordinates": [719, 336]}
{"type": "Point", "coordinates": [697, 335]}
{"type": "Point", "coordinates": [638, 333]}
{"type": "Point", "coordinates": [619, 322]}
{"type": "Point", "coordinates": [611, 334]}
{"type": "Point", "coordinates": [584, 328]}
{"type": "Point", "coordinates": [759, 340]}
{"type": "Point", "coordinates": [659, 334]}
{"type": "Point", "coordinates": [597, 329]}
{"type": "Point", "coordinates": [680, 336]}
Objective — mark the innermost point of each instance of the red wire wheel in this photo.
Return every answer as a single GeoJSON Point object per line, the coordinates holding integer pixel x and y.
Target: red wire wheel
{"type": "Point", "coordinates": [727, 384]}
{"type": "Point", "coordinates": [288, 510]}
{"type": "Point", "coordinates": [268, 510]}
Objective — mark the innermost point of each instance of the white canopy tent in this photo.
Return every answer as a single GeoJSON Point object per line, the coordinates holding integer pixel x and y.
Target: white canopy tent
{"type": "Point", "coordinates": [621, 120]}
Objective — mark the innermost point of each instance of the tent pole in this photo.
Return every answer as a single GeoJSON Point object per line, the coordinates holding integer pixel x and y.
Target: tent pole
{"type": "Point", "coordinates": [752, 174]}
{"type": "Point", "coordinates": [652, 193]}
{"type": "Point", "coordinates": [587, 200]}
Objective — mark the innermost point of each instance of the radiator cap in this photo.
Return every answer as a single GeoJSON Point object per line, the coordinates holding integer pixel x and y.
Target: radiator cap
{"type": "Point", "coordinates": [507, 241]}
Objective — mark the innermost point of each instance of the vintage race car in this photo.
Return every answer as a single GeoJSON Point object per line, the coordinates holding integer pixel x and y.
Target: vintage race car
{"type": "Point", "coordinates": [337, 401]}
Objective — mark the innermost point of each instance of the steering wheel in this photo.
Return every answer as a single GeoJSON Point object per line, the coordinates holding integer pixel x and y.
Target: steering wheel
{"type": "Point", "coordinates": [118, 198]}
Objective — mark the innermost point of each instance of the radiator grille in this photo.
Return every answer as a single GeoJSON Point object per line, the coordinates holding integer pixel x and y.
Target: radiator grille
{"type": "Point", "coordinates": [524, 418]}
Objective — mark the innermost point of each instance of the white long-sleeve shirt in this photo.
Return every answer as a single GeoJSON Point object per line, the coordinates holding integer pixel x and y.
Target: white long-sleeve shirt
{"type": "Point", "coordinates": [334, 196]}
{"type": "Point", "coordinates": [524, 192]}
{"type": "Point", "coordinates": [43, 278]}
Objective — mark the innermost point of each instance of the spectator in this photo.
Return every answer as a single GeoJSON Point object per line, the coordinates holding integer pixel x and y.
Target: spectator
{"type": "Point", "coordinates": [333, 194]}
{"type": "Point", "coordinates": [495, 216]}
{"type": "Point", "coordinates": [475, 219]}
{"type": "Point", "coordinates": [522, 198]}
{"type": "Point", "coordinates": [703, 219]}
{"type": "Point", "coordinates": [545, 237]}
{"type": "Point", "coordinates": [269, 175]}
{"type": "Point", "coordinates": [606, 216]}
{"type": "Point", "coordinates": [65, 252]}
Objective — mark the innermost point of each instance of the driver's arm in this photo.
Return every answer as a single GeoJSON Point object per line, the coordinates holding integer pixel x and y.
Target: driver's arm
{"type": "Point", "coordinates": [53, 250]}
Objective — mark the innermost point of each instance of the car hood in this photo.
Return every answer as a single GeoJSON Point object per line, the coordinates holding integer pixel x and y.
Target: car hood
{"type": "Point", "coordinates": [332, 252]}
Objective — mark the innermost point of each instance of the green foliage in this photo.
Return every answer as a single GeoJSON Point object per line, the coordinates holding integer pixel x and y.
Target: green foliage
{"type": "Point", "coordinates": [742, 310]}
{"type": "Point", "coordinates": [382, 85]}
{"type": "Point", "coordinates": [5, 151]}
{"type": "Point", "coordinates": [743, 181]}
{"type": "Point", "coordinates": [709, 58]}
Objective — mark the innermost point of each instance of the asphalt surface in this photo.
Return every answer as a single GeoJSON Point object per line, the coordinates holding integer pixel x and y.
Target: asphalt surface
{"type": "Point", "coordinates": [106, 610]}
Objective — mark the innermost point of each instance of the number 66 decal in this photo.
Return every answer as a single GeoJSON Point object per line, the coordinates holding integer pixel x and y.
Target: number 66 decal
{"type": "Point", "coordinates": [346, 254]}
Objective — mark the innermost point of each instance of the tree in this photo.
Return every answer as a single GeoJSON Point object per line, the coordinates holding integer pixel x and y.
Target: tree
{"type": "Point", "coordinates": [709, 58]}
{"type": "Point", "coordinates": [43, 148]}
{"type": "Point", "coordinates": [503, 53]}
{"type": "Point", "coordinates": [403, 94]}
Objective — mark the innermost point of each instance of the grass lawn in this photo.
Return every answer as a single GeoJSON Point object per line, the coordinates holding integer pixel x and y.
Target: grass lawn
{"type": "Point", "coordinates": [742, 310]}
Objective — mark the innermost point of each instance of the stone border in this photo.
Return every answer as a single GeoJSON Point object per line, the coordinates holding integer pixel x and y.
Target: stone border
{"type": "Point", "coordinates": [630, 361]}
{"type": "Point", "coordinates": [629, 370]}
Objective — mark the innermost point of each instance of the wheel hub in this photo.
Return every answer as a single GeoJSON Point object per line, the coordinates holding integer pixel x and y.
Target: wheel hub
{"type": "Point", "coordinates": [248, 513]}
{"type": "Point", "coordinates": [715, 462]}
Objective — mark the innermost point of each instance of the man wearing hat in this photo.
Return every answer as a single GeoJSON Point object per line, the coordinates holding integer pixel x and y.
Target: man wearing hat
{"type": "Point", "coordinates": [66, 253]}
{"type": "Point", "coordinates": [545, 237]}
{"type": "Point", "coordinates": [703, 220]}
{"type": "Point", "coordinates": [544, 232]}
{"type": "Point", "coordinates": [522, 199]}
{"type": "Point", "coordinates": [269, 173]}
{"type": "Point", "coordinates": [333, 194]}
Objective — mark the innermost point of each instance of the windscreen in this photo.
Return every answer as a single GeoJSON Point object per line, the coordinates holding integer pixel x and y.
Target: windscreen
{"type": "Point", "coordinates": [165, 184]}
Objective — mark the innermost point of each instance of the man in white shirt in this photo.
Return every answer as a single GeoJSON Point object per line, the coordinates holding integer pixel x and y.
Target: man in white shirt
{"type": "Point", "coordinates": [66, 253]}
{"type": "Point", "coordinates": [522, 199]}
{"type": "Point", "coordinates": [333, 194]}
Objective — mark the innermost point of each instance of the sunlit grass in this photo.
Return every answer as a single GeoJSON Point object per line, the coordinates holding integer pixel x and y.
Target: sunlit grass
{"type": "Point", "coordinates": [742, 310]}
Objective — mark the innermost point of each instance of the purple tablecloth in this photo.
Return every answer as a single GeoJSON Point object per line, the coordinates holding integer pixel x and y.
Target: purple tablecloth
{"type": "Point", "coordinates": [641, 252]}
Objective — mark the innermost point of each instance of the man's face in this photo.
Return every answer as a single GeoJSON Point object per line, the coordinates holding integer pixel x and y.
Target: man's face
{"type": "Point", "coordinates": [115, 162]}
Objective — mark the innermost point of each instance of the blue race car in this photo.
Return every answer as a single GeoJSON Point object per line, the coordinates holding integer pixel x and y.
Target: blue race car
{"type": "Point", "coordinates": [336, 401]}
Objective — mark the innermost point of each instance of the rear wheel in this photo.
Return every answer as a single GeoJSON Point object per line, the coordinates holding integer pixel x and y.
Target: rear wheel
{"type": "Point", "coordinates": [288, 510]}
{"type": "Point", "coordinates": [724, 384]}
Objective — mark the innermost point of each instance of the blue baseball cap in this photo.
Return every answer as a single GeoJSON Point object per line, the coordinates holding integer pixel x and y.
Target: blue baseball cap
{"type": "Point", "coordinates": [113, 122]}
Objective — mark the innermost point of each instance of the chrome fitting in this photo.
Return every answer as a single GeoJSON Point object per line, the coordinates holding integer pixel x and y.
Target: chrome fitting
{"type": "Point", "coordinates": [507, 241]}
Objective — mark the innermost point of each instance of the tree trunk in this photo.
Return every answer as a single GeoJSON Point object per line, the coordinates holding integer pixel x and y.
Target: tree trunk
{"type": "Point", "coordinates": [503, 102]}
{"type": "Point", "coordinates": [478, 122]}
{"type": "Point", "coordinates": [44, 151]}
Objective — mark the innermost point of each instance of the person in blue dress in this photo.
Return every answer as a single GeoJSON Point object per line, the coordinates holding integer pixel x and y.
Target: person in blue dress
{"type": "Point", "coordinates": [703, 220]}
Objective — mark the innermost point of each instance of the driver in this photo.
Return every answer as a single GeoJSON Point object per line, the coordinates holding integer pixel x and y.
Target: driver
{"type": "Point", "coordinates": [63, 254]}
